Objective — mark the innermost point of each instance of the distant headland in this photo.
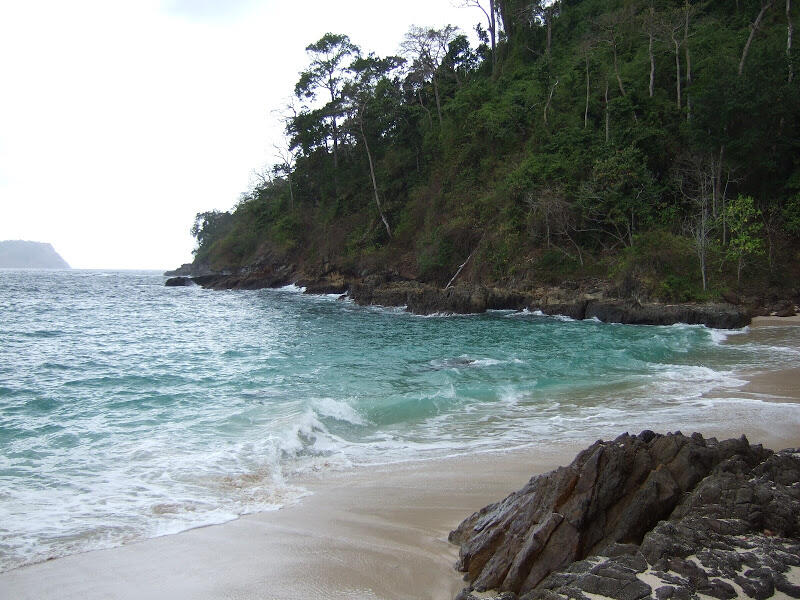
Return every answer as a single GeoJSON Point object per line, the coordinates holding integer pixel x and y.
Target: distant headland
{"type": "Point", "coordinates": [19, 254]}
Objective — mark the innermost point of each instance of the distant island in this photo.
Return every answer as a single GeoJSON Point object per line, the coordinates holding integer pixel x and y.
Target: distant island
{"type": "Point", "coordinates": [19, 254]}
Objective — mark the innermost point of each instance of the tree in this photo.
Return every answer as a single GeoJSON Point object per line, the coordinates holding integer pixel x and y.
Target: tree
{"type": "Point", "coordinates": [491, 20]}
{"type": "Point", "coordinates": [695, 177]}
{"type": "Point", "coordinates": [754, 28]}
{"type": "Point", "coordinates": [426, 49]}
{"type": "Point", "coordinates": [746, 228]}
{"type": "Point", "coordinates": [368, 71]}
{"type": "Point", "coordinates": [555, 215]}
{"type": "Point", "coordinates": [620, 195]}
{"type": "Point", "coordinates": [208, 227]}
{"type": "Point", "coordinates": [285, 166]}
{"type": "Point", "coordinates": [330, 57]}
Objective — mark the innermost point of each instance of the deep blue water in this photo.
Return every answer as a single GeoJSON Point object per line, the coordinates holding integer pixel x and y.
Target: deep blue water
{"type": "Point", "coordinates": [129, 410]}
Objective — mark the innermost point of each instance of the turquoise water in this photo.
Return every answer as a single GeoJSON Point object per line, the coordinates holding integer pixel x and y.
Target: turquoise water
{"type": "Point", "coordinates": [131, 410]}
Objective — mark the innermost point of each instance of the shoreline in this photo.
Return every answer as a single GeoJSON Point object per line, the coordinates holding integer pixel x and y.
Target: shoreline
{"type": "Point", "coordinates": [592, 300]}
{"type": "Point", "coordinates": [365, 532]}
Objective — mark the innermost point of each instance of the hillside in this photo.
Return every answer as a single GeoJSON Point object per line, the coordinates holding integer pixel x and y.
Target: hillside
{"type": "Point", "coordinates": [18, 254]}
{"type": "Point", "coordinates": [651, 145]}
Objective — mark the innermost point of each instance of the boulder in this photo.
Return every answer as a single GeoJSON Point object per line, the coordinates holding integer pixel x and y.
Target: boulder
{"type": "Point", "coordinates": [647, 516]}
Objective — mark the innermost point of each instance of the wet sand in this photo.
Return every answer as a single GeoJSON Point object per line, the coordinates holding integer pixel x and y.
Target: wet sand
{"type": "Point", "coordinates": [774, 385]}
{"type": "Point", "coordinates": [377, 532]}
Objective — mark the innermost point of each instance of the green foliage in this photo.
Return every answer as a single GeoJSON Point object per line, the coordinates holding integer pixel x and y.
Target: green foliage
{"type": "Point", "coordinates": [791, 215]}
{"type": "Point", "coordinates": [660, 265]}
{"type": "Point", "coordinates": [553, 161]}
{"type": "Point", "coordinates": [746, 228]}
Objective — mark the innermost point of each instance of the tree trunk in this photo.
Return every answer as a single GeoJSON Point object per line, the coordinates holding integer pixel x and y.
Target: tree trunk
{"type": "Point", "coordinates": [291, 192]}
{"type": "Point", "coordinates": [607, 114]}
{"type": "Point", "coordinates": [586, 110]}
{"type": "Point", "coordinates": [650, 52]}
{"type": "Point", "coordinates": [678, 70]}
{"type": "Point", "coordinates": [651, 87]}
{"type": "Point", "coordinates": [549, 100]}
{"type": "Point", "coordinates": [425, 108]}
{"type": "Point", "coordinates": [688, 61]}
{"type": "Point", "coordinates": [701, 245]}
{"type": "Point", "coordinates": [372, 174]}
{"type": "Point", "coordinates": [335, 143]}
{"type": "Point", "coordinates": [548, 15]}
{"type": "Point", "coordinates": [616, 71]}
{"type": "Point", "coordinates": [789, 33]}
{"type": "Point", "coordinates": [753, 30]}
{"type": "Point", "coordinates": [739, 270]}
{"type": "Point", "coordinates": [493, 33]}
{"type": "Point", "coordinates": [438, 102]}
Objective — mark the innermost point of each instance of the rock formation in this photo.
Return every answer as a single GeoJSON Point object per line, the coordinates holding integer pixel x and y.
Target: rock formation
{"type": "Point", "coordinates": [647, 516]}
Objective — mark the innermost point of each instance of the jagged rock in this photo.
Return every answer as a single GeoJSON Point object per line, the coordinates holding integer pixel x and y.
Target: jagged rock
{"type": "Point", "coordinates": [690, 514]}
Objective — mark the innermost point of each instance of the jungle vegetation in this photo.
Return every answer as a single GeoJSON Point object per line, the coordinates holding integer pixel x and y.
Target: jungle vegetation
{"type": "Point", "coordinates": [653, 143]}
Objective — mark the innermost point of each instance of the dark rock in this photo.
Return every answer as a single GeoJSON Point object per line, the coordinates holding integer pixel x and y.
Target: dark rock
{"type": "Point", "coordinates": [178, 281]}
{"type": "Point", "coordinates": [573, 310]}
{"type": "Point", "coordinates": [718, 316]}
{"type": "Point", "coordinates": [699, 516]}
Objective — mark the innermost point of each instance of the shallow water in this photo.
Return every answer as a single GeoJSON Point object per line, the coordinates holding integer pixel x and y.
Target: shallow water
{"type": "Point", "coordinates": [130, 410]}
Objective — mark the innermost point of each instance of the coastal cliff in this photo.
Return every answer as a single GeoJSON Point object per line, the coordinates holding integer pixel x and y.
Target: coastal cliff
{"type": "Point", "coordinates": [647, 516]}
{"type": "Point", "coordinates": [19, 254]}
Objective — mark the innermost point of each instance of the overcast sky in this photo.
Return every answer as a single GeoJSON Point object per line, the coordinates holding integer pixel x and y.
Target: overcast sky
{"type": "Point", "coordinates": [120, 120]}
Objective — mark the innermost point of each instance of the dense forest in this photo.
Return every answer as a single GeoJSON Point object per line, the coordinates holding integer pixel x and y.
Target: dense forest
{"type": "Point", "coordinates": [649, 143]}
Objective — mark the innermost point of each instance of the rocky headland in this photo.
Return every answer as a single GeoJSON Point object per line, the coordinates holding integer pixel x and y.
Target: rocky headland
{"type": "Point", "coordinates": [20, 254]}
{"type": "Point", "coordinates": [643, 516]}
{"type": "Point", "coordinates": [584, 299]}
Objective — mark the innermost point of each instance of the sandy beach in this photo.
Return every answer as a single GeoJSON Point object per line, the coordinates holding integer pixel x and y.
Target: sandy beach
{"type": "Point", "coordinates": [378, 532]}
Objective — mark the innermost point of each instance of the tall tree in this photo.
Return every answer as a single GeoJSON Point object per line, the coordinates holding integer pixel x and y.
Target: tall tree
{"type": "Point", "coordinates": [490, 12]}
{"type": "Point", "coordinates": [754, 28]}
{"type": "Point", "coordinates": [426, 49]}
{"type": "Point", "coordinates": [330, 57]}
{"type": "Point", "coordinates": [368, 73]}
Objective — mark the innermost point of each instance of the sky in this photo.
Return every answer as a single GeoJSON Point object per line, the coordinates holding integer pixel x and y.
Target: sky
{"type": "Point", "coordinates": [120, 120]}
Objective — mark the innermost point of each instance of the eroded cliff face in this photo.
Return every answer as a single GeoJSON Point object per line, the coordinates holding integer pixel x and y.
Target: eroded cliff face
{"type": "Point", "coordinates": [647, 516]}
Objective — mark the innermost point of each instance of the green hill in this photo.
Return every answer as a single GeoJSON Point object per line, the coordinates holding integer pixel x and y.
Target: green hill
{"type": "Point", "coordinates": [652, 144]}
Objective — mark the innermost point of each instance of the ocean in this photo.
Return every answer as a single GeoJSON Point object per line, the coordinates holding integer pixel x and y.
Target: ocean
{"type": "Point", "coordinates": [131, 410]}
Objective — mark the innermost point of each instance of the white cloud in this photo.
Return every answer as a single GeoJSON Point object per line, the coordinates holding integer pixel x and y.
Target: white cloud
{"type": "Point", "coordinates": [120, 120]}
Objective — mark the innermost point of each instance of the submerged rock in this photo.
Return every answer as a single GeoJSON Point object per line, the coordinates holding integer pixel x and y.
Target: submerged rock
{"type": "Point", "coordinates": [647, 516]}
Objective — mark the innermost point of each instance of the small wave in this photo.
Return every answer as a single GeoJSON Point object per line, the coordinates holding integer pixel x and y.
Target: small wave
{"type": "Point", "coordinates": [465, 361]}
{"type": "Point", "coordinates": [720, 336]}
{"type": "Point", "coordinates": [292, 288]}
{"type": "Point", "coordinates": [564, 318]}
{"type": "Point", "coordinates": [339, 410]}
{"type": "Point", "coordinates": [44, 333]}
{"type": "Point", "coordinates": [446, 315]}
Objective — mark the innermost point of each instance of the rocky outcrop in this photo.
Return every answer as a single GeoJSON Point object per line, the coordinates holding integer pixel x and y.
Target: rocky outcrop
{"type": "Point", "coordinates": [391, 289]}
{"type": "Point", "coordinates": [191, 270]}
{"type": "Point", "coordinates": [423, 299]}
{"type": "Point", "coordinates": [629, 312]}
{"type": "Point", "coordinates": [178, 282]}
{"type": "Point", "coordinates": [647, 516]}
